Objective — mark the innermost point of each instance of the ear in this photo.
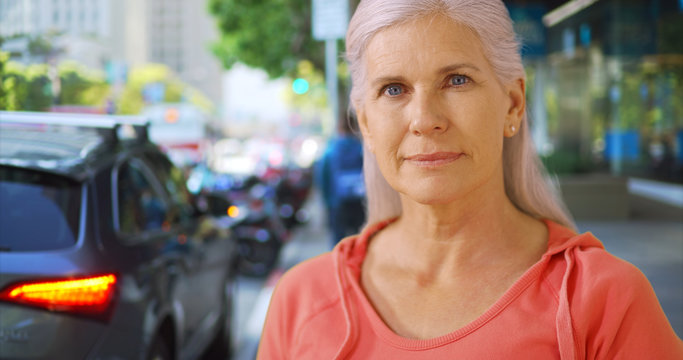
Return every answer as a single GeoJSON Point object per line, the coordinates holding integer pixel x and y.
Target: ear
{"type": "Point", "coordinates": [516, 92]}
{"type": "Point", "coordinates": [363, 125]}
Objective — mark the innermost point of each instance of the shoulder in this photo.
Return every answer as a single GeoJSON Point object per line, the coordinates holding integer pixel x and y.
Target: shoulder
{"type": "Point", "coordinates": [605, 283]}
{"type": "Point", "coordinates": [617, 311]}
{"type": "Point", "coordinates": [612, 306]}
{"type": "Point", "coordinates": [309, 286]}
{"type": "Point", "coordinates": [590, 272]}
{"type": "Point", "coordinates": [310, 272]}
{"type": "Point", "coordinates": [596, 265]}
{"type": "Point", "coordinates": [580, 260]}
{"type": "Point", "coordinates": [304, 302]}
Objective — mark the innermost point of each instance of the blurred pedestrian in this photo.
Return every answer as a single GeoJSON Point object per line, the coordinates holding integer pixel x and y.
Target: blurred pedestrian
{"type": "Point", "coordinates": [341, 183]}
{"type": "Point", "coordinates": [469, 253]}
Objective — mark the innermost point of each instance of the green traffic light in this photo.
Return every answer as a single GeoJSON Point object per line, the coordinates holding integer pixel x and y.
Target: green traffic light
{"type": "Point", "coordinates": [300, 86]}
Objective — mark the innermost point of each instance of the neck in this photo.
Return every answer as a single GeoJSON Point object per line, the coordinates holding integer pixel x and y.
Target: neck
{"type": "Point", "coordinates": [463, 236]}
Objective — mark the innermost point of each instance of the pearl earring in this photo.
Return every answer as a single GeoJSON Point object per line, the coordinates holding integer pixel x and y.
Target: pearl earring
{"type": "Point", "coordinates": [512, 127]}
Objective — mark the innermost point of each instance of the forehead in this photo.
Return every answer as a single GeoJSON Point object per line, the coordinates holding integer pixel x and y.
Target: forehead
{"type": "Point", "coordinates": [427, 41]}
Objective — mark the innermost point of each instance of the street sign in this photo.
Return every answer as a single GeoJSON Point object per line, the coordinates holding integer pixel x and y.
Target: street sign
{"type": "Point", "coordinates": [330, 18]}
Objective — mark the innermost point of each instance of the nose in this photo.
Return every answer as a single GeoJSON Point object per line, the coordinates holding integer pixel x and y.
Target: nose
{"type": "Point", "coordinates": [427, 117]}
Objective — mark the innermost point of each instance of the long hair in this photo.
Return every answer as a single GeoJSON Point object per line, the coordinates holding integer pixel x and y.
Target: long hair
{"type": "Point", "coordinates": [527, 184]}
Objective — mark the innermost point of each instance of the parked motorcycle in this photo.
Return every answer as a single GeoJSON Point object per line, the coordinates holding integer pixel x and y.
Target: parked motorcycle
{"type": "Point", "coordinates": [269, 206]}
{"type": "Point", "coordinates": [261, 232]}
{"type": "Point", "coordinates": [292, 191]}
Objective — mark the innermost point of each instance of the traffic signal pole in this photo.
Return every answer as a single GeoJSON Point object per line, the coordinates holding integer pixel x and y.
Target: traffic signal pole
{"type": "Point", "coordinates": [331, 79]}
{"type": "Point", "coordinates": [330, 19]}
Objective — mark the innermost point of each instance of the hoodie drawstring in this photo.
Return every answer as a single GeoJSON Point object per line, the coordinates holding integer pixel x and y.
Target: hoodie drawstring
{"type": "Point", "coordinates": [349, 338]}
{"type": "Point", "coordinates": [566, 339]}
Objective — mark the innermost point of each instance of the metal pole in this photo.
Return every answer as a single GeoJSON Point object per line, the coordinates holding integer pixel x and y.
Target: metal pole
{"type": "Point", "coordinates": [331, 80]}
{"type": "Point", "coordinates": [538, 110]}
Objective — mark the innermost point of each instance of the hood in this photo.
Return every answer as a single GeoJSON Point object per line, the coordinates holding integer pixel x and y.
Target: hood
{"type": "Point", "coordinates": [565, 242]}
{"type": "Point", "coordinates": [350, 252]}
{"type": "Point", "coordinates": [348, 257]}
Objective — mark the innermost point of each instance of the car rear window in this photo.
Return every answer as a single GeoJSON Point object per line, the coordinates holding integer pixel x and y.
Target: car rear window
{"type": "Point", "coordinates": [38, 211]}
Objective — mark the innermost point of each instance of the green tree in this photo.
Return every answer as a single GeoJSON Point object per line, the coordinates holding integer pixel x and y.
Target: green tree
{"type": "Point", "coordinates": [276, 36]}
{"type": "Point", "coordinates": [141, 81]}
{"type": "Point", "coordinates": [39, 91]}
{"type": "Point", "coordinates": [272, 35]}
{"type": "Point", "coordinates": [13, 81]}
{"type": "Point", "coordinates": [81, 86]}
{"type": "Point", "coordinates": [22, 87]}
{"type": "Point", "coordinates": [41, 46]}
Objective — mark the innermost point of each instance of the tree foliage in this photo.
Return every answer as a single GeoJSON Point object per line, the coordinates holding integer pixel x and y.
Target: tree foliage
{"type": "Point", "coordinates": [81, 86]}
{"type": "Point", "coordinates": [23, 87]}
{"type": "Point", "coordinates": [41, 46]}
{"type": "Point", "coordinates": [274, 35]}
{"type": "Point", "coordinates": [39, 90]}
{"type": "Point", "coordinates": [157, 83]}
{"type": "Point", "coordinates": [30, 88]}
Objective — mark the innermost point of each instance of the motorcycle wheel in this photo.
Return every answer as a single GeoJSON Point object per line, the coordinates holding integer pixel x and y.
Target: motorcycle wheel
{"type": "Point", "coordinates": [256, 258]}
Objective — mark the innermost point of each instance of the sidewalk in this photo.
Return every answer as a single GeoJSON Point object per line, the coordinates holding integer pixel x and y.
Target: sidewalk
{"type": "Point", "coordinates": [307, 241]}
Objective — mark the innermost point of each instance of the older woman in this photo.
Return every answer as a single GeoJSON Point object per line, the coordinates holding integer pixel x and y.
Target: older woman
{"type": "Point", "coordinates": [468, 253]}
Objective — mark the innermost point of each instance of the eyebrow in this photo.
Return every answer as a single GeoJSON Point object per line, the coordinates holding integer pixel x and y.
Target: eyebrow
{"type": "Point", "coordinates": [444, 70]}
{"type": "Point", "coordinates": [387, 80]}
{"type": "Point", "coordinates": [453, 67]}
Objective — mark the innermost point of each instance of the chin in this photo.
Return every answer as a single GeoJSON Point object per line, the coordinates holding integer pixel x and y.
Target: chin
{"type": "Point", "coordinates": [433, 200]}
{"type": "Point", "coordinates": [432, 194]}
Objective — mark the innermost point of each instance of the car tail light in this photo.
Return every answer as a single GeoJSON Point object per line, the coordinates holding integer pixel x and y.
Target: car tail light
{"type": "Point", "coordinates": [88, 296]}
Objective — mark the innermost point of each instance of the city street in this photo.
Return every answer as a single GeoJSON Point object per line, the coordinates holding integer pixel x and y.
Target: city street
{"type": "Point", "coordinates": [653, 245]}
{"type": "Point", "coordinates": [253, 295]}
{"type": "Point", "coordinates": [150, 150]}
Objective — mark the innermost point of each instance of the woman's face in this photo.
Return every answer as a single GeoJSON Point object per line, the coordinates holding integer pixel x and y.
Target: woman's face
{"type": "Point", "coordinates": [434, 113]}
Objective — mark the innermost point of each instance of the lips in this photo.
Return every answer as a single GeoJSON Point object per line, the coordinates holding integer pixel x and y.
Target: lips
{"type": "Point", "coordinates": [433, 159]}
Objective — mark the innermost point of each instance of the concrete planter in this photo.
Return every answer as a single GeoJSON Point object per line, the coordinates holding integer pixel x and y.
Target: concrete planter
{"type": "Point", "coordinates": [596, 197]}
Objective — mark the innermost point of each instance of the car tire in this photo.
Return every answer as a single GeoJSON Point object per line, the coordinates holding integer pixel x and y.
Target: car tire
{"type": "Point", "coordinates": [221, 346]}
{"type": "Point", "coordinates": [159, 350]}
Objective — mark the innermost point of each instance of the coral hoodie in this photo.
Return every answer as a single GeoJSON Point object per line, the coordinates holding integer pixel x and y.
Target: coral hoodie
{"type": "Point", "coordinates": [576, 302]}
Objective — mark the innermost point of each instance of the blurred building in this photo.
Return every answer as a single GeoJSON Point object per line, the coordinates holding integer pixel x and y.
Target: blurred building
{"type": "Point", "coordinates": [605, 85]}
{"type": "Point", "coordinates": [179, 34]}
{"type": "Point", "coordinates": [115, 35]}
{"type": "Point", "coordinates": [33, 17]}
{"type": "Point", "coordinates": [36, 31]}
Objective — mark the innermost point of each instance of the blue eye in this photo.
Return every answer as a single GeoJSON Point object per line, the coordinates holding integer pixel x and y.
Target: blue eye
{"type": "Point", "coordinates": [459, 80]}
{"type": "Point", "coordinates": [393, 90]}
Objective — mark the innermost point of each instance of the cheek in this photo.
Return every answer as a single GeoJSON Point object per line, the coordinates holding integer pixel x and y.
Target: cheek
{"type": "Point", "coordinates": [486, 144]}
{"type": "Point", "coordinates": [386, 128]}
{"type": "Point", "coordinates": [386, 141]}
{"type": "Point", "coordinates": [481, 123]}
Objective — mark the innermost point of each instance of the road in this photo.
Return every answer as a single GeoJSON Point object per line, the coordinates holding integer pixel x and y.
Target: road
{"type": "Point", "coordinates": [654, 245]}
{"type": "Point", "coordinates": [253, 295]}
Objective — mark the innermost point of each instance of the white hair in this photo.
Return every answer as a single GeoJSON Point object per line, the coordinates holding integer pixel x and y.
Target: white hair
{"type": "Point", "coordinates": [526, 182]}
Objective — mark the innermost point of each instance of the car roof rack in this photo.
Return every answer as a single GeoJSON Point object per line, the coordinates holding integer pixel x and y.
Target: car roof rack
{"type": "Point", "coordinates": [111, 127]}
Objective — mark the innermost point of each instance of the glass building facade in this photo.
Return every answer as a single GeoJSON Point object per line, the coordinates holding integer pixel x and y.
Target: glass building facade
{"type": "Point", "coordinates": [605, 85]}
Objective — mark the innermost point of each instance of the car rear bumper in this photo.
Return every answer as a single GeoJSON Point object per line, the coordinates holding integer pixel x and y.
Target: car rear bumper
{"type": "Point", "coordinates": [27, 333]}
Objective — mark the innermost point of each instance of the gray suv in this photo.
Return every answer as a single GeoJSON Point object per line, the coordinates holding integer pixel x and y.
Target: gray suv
{"type": "Point", "coordinates": [104, 254]}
